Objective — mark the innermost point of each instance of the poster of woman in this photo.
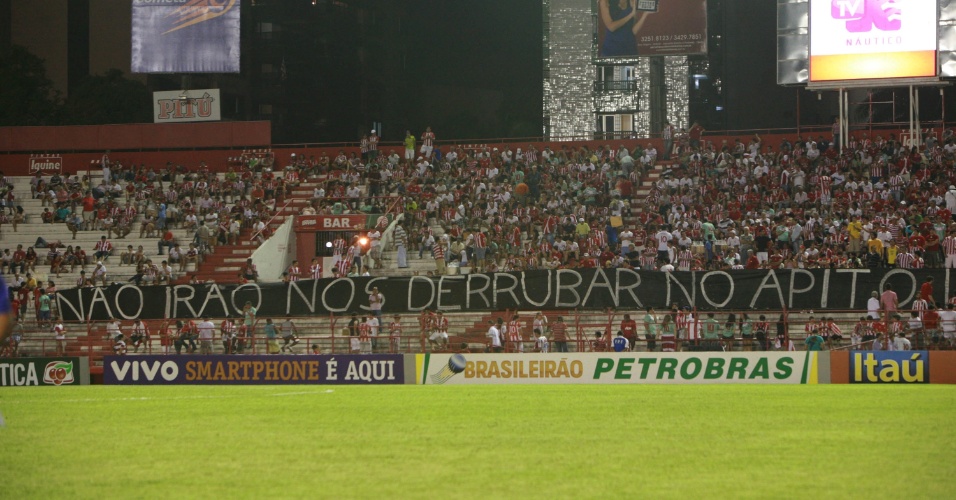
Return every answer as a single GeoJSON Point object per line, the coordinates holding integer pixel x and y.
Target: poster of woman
{"type": "Point", "coordinates": [633, 28]}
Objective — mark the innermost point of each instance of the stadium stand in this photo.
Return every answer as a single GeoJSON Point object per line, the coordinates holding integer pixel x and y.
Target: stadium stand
{"type": "Point", "coordinates": [738, 204]}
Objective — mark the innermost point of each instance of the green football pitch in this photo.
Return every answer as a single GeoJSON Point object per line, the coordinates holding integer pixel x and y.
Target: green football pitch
{"type": "Point", "coordinates": [474, 442]}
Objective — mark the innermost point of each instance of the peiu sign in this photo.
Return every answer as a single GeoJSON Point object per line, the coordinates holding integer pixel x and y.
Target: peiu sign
{"type": "Point", "coordinates": [202, 105]}
{"type": "Point", "coordinates": [352, 369]}
{"type": "Point", "coordinates": [44, 371]}
{"type": "Point", "coordinates": [46, 164]}
{"type": "Point", "coordinates": [618, 368]}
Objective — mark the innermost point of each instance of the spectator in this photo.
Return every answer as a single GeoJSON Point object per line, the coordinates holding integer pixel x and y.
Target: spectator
{"type": "Point", "coordinates": [889, 302]}
{"type": "Point", "coordinates": [119, 346]}
{"type": "Point", "coordinates": [814, 341]}
{"type": "Point", "coordinates": [494, 336]}
{"type": "Point", "coordinates": [289, 335]}
{"type": "Point", "coordinates": [559, 331]}
{"type": "Point", "coordinates": [103, 249]}
{"type": "Point", "coordinates": [207, 331]}
{"type": "Point", "coordinates": [59, 333]}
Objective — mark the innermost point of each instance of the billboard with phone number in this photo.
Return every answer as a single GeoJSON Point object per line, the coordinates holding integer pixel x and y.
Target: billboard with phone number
{"type": "Point", "coordinates": [872, 39]}
{"type": "Point", "coordinates": [638, 28]}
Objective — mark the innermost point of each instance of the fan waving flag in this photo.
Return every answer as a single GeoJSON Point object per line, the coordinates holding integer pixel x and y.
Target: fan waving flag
{"type": "Point", "coordinates": [185, 36]}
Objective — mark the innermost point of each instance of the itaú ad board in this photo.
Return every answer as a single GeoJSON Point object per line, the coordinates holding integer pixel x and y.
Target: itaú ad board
{"type": "Point", "coordinates": [872, 39]}
{"type": "Point", "coordinates": [618, 368]}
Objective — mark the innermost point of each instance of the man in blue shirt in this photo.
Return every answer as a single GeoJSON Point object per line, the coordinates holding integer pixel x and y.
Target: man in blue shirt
{"type": "Point", "coordinates": [621, 343]}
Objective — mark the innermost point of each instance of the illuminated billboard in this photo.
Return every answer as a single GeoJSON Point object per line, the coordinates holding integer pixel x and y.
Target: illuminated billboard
{"type": "Point", "coordinates": [872, 39]}
{"type": "Point", "coordinates": [637, 28]}
{"type": "Point", "coordinates": [185, 36]}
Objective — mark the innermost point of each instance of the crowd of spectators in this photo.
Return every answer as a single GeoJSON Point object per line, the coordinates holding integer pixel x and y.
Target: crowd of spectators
{"type": "Point", "coordinates": [731, 205]}
{"type": "Point", "coordinates": [725, 206]}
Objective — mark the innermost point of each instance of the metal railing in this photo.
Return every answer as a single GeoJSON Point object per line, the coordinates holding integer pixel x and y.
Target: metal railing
{"type": "Point", "coordinates": [587, 331]}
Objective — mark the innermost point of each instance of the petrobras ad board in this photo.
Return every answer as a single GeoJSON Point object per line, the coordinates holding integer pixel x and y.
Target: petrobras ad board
{"type": "Point", "coordinates": [618, 368]}
{"type": "Point", "coordinates": [201, 105]}
{"type": "Point", "coordinates": [872, 39]}
{"type": "Point", "coordinates": [351, 369]}
{"type": "Point", "coordinates": [185, 36]}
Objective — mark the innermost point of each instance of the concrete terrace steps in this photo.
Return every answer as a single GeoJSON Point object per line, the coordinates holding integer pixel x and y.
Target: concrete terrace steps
{"type": "Point", "coordinates": [464, 328]}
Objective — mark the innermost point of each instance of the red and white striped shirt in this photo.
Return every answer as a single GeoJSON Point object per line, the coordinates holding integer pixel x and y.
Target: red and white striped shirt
{"type": "Point", "coordinates": [316, 271]}
{"type": "Point", "coordinates": [345, 264]}
{"type": "Point", "coordinates": [294, 273]}
{"type": "Point", "coordinates": [365, 332]}
{"type": "Point", "coordinates": [428, 139]}
{"type": "Point", "coordinates": [514, 331]}
{"type": "Point", "coordinates": [949, 245]}
{"type": "Point", "coordinates": [904, 260]}
{"type": "Point", "coordinates": [481, 240]}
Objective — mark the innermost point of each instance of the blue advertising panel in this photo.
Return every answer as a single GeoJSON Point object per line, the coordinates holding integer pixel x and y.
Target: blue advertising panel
{"type": "Point", "coordinates": [353, 369]}
{"type": "Point", "coordinates": [185, 36]}
{"type": "Point", "coordinates": [889, 367]}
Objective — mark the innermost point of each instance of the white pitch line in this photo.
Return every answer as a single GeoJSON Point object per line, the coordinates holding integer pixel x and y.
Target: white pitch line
{"type": "Point", "coordinates": [144, 398]}
{"type": "Point", "coordinates": [301, 393]}
{"type": "Point", "coordinates": [96, 400]}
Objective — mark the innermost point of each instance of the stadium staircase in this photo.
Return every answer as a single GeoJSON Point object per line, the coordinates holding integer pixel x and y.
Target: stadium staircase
{"type": "Point", "coordinates": [33, 228]}
{"type": "Point", "coordinates": [225, 262]}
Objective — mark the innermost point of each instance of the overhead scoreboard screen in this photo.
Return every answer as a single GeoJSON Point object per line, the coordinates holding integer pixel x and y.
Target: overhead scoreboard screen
{"type": "Point", "coordinates": [872, 39]}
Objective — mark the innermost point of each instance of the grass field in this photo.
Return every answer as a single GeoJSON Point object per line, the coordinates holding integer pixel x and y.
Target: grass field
{"type": "Point", "coordinates": [468, 442]}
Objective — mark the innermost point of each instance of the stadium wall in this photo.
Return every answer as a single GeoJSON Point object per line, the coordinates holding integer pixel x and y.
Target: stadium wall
{"type": "Point", "coordinates": [189, 144]}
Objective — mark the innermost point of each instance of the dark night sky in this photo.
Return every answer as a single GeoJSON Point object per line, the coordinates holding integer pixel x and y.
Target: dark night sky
{"type": "Point", "coordinates": [493, 47]}
{"type": "Point", "coordinates": [487, 44]}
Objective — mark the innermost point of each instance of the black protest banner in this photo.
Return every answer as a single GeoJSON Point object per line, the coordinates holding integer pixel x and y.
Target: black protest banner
{"type": "Point", "coordinates": [593, 289]}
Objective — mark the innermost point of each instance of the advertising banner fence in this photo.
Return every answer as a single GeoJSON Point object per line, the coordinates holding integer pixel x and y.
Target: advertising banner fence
{"type": "Point", "coordinates": [185, 36]}
{"type": "Point", "coordinates": [252, 370]}
{"type": "Point", "coordinates": [44, 371]}
{"type": "Point", "coordinates": [889, 367]}
{"type": "Point", "coordinates": [595, 289]}
{"type": "Point", "coordinates": [618, 368]}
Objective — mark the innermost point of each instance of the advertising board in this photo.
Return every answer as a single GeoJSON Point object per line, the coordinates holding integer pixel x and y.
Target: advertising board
{"type": "Point", "coordinates": [199, 105]}
{"type": "Point", "coordinates": [889, 367]}
{"type": "Point", "coordinates": [44, 371]}
{"type": "Point", "coordinates": [254, 370]}
{"type": "Point", "coordinates": [180, 36]}
{"type": "Point", "coordinates": [46, 164]}
{"type": "Point", "coordinates": [872, 39]}
{"type": "Point", "coordinates": [618, 368]}
{"type": "Point", "coordinates": [628, 29]}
